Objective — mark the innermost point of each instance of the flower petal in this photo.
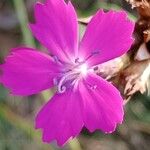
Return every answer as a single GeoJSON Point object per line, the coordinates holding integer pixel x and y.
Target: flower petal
{"type": "Point", "coordinates": [65, 114]}
{"type": "Point", "coordinates": [27, 71]}
{"type": "Point", "coordinates": [108, 35]}
{"type": "Point", "coordinates": [103, 105]}
{"type": "Point", "coordinates": [56, 28]}
{"type": "Point", "coordinates": [61, 118]}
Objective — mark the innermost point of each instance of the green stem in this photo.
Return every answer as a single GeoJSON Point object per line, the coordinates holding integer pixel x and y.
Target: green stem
{"type": "Point", "coordinates": [23, 20]}
{"type": "Point", "coordinates": [23, 124]}
{"type": "Point", "coordinates": [75, 145]}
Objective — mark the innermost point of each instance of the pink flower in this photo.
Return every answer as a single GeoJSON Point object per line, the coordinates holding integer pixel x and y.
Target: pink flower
{"type": "Point", "coordinates": [82, 98]}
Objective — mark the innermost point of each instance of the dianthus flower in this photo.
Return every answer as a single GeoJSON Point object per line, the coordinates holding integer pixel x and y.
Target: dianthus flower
{"type": "Point", "coordinates": [82, 98]}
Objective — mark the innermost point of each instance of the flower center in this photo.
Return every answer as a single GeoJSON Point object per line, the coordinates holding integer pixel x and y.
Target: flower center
{"type": "Point", "coordinates": [83, 69]}
{"type": "Point", "coordinates": [73, 74]}
{"type": "Point", "coordinates": [70, 77]}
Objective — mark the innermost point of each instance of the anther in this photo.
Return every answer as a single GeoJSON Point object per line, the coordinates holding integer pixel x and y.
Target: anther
{"type": "Point", "coordinates": [95, 53]}
{"type": "Point", "coordinates": [57, 60]}
{"type": "Point", "coordinates": [92, 54]}
{"type": "Point", "coordinates": [96, 68]}
{"type": "Point", "coordinates": [77, 60]}
{"type": "Point", "coordinates": [92, 87]}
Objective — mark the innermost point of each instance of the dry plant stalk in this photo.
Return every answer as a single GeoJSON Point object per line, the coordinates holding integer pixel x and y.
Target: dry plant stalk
{"type": "Point", "coordinates": [137, 74]}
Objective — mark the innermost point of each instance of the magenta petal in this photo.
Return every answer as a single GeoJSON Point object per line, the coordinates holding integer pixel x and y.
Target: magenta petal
{"type": "Point", "coordinates": [27, 71]}
{"type": "Point", "coordinates": [109, 34]}
{"type": "Point", "coordinates": [56, 28]}
{"type": "Point", "coordinates": [103, 105]}
{"type": "Point", "coordinates": [93, 103]}
{"type": "Point", "coordinates": [61, 118]}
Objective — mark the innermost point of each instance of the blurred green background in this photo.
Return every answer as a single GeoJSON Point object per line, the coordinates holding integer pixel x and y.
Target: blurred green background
{"type": "Point", "coordinates": [17, 113]}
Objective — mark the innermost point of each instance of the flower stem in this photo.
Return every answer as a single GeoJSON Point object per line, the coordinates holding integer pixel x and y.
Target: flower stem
{"type": "Point", "coordinates": [23, 20]}
{"type": "Point", "coordinates": [75, 145]}
{"type": "Point", "coordinates": [23, 124]}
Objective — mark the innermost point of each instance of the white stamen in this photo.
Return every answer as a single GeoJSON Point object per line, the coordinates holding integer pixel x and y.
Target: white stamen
{"type": "Point", "coordinates": [68, 76]}
{"type": "Point", "coordinates": [71, 76]}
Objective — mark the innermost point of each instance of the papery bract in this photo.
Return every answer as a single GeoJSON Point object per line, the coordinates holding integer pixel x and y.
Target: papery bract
{"type": "Point", "coordinates": [82, 98]}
